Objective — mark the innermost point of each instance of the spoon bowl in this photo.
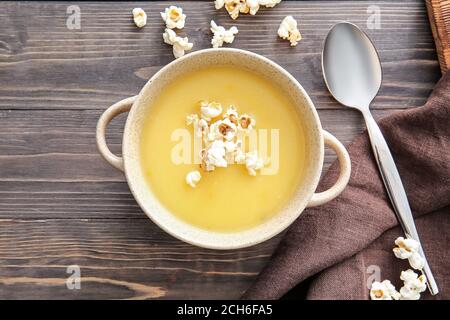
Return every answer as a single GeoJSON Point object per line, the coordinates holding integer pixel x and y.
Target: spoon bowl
{"type": "Point", "coordinates": [351, 66]}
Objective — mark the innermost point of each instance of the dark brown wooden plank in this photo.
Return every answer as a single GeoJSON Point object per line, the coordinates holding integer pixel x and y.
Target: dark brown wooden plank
{"type": "Point", "coordinates": [119, 259]}
{"type": "Point", "coordinates": [109, 59]}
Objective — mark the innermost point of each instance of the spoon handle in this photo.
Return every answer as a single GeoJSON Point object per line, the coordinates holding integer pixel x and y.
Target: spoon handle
{"type": "Point", "coordinates": [396, 191]}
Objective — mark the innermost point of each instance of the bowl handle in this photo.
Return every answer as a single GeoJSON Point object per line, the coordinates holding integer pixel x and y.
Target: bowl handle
{"type": "Point", "coordinates": [114, 110]}
{"type": "Point", "coordinates": [344, 174]}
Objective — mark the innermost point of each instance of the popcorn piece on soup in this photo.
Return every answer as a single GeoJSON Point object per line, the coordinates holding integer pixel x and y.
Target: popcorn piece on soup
{"type": "Point", "coordinates": [180, 45]}
{"type": "Point", "coordinates": [253, 162]}
{"type": "Point", "coordinates": [288, 30]}
{"type": "Point", "coordinates": [409, 249]}
{"type": "Point", "coordinates": [383, 291]}
{"type": "Point", "coordinates": [227, 129]}
{"type": "Point", "coordinates": [230, 148]}
{"type": "Point", "coordinates": [239, 154]}
{"type": "Point", "coordinates": [246, 122]}
{"type": "Point", "coordinates": [221, 138]}
{"type": "Point", "coordinates": [213, 132]}
{"type": "Point", "coordinates": [192, 119]}
{"type": "Point", "coordinates": [215, 155]}
{"type": "Point", "coordinates": [232, 114]}
{"type": "Point", "coordinates": [192, 178]}
{"type": "Point", "coordinates": [200, 125]}
{"type": "Point", "coordinates": [210, 110]}
{"type": "Point", "coordinates": [413, 285]}
{"type": "Point", "coordinates": [139, 17]}
{"type": "Point", "coordinates": [221, 35]}
{"type": "Point", "coordinates": [174, 17]}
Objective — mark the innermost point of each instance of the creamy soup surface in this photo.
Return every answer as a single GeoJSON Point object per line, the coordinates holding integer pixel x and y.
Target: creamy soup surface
{"type": "Point", "coordinates": [226, 199]}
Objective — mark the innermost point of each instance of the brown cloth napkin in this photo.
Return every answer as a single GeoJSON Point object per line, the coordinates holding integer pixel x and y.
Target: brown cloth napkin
{"type": "Point", "coordinates": [341, 245]}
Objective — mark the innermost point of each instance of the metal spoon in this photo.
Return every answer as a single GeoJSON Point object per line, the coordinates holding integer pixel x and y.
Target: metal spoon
{"type": "Point", "coordinates": [352, 72]}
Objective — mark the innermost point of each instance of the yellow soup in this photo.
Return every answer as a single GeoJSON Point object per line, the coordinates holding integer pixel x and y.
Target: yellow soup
{"type": "Point", "coordinates": [226, 199]}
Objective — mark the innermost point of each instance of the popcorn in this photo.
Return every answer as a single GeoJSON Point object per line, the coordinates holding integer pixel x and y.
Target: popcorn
{"type": "Point", "coordinates": [253, 162]}
{"type": "Point", "coordinates": [409, 249]}
{"type": "Point", "coordinates": [222, 35]}
{"type": "Point", "coordinates": [234, 7]}
{"type": "Point", "coordinates": [218, 4]}
{"type": "Point", "coordinates": [269, 3]}
{"type": "Point", "coordinates": [222, 129]}
{"type": "Point", "coordinates": [230, 146]}
{"type": "Point", "coordinates": [192, 178]}
{"type": "Point", "coordinates": [253, 6]}
{"type": "Point", "coordinates": [180, 45]}
{"type": "Point", "coordinates": [230, 149]}
{"type": "Point", "coordinates": [139, 17]}
{"type": "Point", "coordinates": [406, 247]}
{"type": "Point", "coordinates": [214, 132]}
{"type": "Point", "coordinates": [222, 139]}
{"type": "Point", "coordinates": [200, 125]}
{"type": "Point", "coordinates": [239, 157]}
{"type": "Point", "coordinates": [227, 129]}
{"type": "Point", "coordinates": [215, 156]}
{"type": "Point", "coordinates": [210, 110]}
{"type": "Point", "coordinates": [416, 261]}
{"type": "Point", "coordinates": [232, 114]}
{"type": "Point", "coordinates": [246, 122]}
{"type": "Point", "coordinates": [174, 17]}
{"type": "Point", "coordinates": [384, 291]}
{"type": "Point", "coordinates": [288, 30]}
{"type": "Point", "coordinates": [192, 119]}
{"type": "Point", "coordinates": [413, 285]}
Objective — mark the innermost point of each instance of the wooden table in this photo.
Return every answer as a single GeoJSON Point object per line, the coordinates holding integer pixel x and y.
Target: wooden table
{"type": "Point", "coordinates": [61, 204]}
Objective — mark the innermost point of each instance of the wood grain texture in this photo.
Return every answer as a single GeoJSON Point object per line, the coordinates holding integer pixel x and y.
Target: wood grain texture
{"type": "Point", "coordinates": [61, 204]}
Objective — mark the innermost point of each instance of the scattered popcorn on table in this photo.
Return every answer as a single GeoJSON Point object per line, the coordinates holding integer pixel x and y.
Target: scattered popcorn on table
{"type": "Point", "coordinates": [269, 3]}
{"type": "Point", "coordinates": [139, 17]}
{"type": "Point", "coordinates": [413, 285]}
{"type": "Point", "coordinates": [174, 17]}
{"type": "Point", "coordinates": [192, 178]}
{"type": "Point", "coordinates": [409, 249]}
{"type": "Point", "coordinates": [221, 35]}
{"type": "Point", "coordinates": [180, 45]}
{"type": "Point", "coordinates": [384, 291]}
{"type": "Point", "coordinates": [220, 132]}
{"type": "Point", "coordinates": [288, 30]}
{"type": "Point", "coordinates": [234, 7]}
